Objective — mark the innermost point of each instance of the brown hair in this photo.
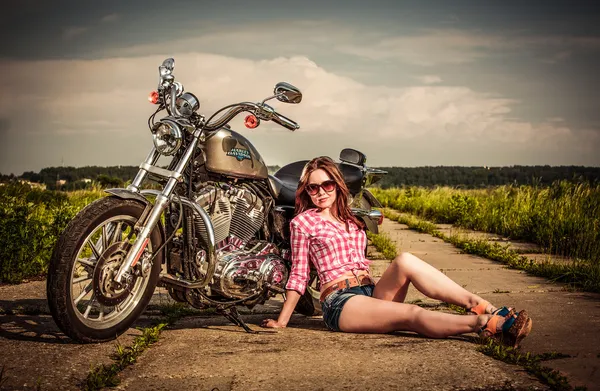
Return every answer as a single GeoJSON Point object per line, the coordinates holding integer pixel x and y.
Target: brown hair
{"type": "Point", "coordinates": [340, 209]}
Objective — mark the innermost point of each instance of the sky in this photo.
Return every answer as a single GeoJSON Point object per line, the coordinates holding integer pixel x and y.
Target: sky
{"type": "Point", "coordinates": [408, 83]}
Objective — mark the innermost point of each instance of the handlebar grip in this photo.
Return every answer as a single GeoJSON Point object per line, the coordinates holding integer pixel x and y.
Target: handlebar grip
{"type": "Point", "coordinates": [285, 122]}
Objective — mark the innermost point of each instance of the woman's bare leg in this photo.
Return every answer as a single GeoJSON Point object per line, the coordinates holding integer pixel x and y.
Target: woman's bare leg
{"type": "Point", "coordinates": [407, 268]}
{"type": "Point", "coordinates": [364, 314]}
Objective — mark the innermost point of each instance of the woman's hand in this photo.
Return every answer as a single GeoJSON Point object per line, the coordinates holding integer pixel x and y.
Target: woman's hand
{"type": "Point", "coordinates": [291, 300]}
{"type": "Point", "coordinates": [272, 324]}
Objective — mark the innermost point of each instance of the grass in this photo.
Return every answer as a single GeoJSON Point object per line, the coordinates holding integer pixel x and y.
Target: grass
{"type": "Point", "coordinates": [563, 218]}
{"type": "Point", "coordinates": [107, 375]}
{"type": "Point", "coordinates": [577, 274]}
{"type": "Point", "coordinates": [531, 363]}
{"type": "Point", "coordinates": [175, 311]}
{"type": "Point", "coordinates": [31, 220]}
{"type": "Point", "coordinates": [383, 244]}
{"type": "Point", "coordinates": [457, 308]}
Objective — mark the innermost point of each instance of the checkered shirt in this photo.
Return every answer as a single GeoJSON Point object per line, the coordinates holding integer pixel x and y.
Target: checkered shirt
{"type": "Point", "coordinates": [331, 249]}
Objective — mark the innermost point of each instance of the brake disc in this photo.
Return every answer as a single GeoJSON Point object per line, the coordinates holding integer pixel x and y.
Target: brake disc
{"type": "Point", "coordinates": [108, 292]}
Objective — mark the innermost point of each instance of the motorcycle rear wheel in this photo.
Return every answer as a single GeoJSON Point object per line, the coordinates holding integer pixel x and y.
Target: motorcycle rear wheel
{"type": "Point", "coordinates": [85, 303]}
{"type": "Point", "coordinates": [309, 304]}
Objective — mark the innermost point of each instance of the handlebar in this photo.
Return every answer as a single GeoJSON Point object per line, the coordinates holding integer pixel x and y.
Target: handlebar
{"type": "Point", "coordinates": [173, 102]}
{"type": "Point", "coordinates": [168, 85]}
{"type": "Point", "coordinates": [261, 111]}
{"type": "Point", "coordinates": [285, 122]}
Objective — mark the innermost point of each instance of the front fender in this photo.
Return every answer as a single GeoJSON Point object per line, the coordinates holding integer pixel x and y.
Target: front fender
{"type": "Point", "coordinates": [126, 194]}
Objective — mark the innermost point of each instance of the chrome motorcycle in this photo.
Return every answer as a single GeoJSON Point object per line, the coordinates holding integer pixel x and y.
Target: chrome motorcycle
{"type": "Point", "coordinates": [216, 235]}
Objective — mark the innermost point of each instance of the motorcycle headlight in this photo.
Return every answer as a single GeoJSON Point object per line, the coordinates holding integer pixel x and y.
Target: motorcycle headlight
{"type": "Point", "coordinates": [167, 137]}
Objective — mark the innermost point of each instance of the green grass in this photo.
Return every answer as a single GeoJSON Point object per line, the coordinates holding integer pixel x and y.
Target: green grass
{"type": "Point", "coordinates": [174, 311]}
{"type": "Point", "coordinates": [107, 375]}
{"type": "Point", "coordinates": [457, 308]}
{"type": "Point", "coordinates": [531, 363]}
{"type": "Point", "coordinates": [383, 244]}
{"type": "Point", "coordinates": [577, 274]}
{"type": "Point", "coordinates": [563, 218]}
{"type": "Point", "coordinates": [31, 220]}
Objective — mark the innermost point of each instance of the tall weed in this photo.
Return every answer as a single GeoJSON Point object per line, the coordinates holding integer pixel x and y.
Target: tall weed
{"type": "Point", "coordinates": [31, 220]}
{"type": "Point", "coordinates": [564, 218]}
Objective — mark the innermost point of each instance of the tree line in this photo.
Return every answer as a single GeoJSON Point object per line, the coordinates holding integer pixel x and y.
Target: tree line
{"type": "Point", "coordinates": [479, 177]}
{"type": "Point", "coordinates": [74, 178]}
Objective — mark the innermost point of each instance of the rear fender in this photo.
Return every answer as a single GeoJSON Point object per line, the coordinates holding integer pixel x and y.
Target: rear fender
{"type": "Point", "coordinates": [372, 200]}
{"type": "Point", "coordinates": [369, 217]}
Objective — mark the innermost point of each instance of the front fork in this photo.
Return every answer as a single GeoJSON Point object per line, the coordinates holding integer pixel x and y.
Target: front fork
{"type": "Point", "coordinates": [162, 201]}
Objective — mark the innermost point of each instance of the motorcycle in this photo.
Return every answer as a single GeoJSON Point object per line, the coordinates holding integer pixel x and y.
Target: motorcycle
{"type": "Point", "coordinates": [215, 236]}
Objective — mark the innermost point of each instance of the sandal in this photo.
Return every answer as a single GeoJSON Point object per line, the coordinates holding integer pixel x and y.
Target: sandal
{"type": "Point", "coordinates": [480, 309]}
{"type": "Point", "coordinates": [515, 327]}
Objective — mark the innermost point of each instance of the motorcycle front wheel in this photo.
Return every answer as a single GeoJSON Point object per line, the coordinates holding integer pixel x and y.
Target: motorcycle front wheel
{"type": "Point", "coordinates": [85, 302]}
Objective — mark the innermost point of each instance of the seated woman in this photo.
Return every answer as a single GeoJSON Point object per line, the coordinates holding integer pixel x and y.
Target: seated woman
{"type": "Point", "coordinates": [325, 232]}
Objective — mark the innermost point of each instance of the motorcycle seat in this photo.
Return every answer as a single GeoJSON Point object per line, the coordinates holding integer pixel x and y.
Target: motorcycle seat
{"type": "Point", "coordinates": [290, 176]}
{"type": "Point", "coordinates": [284, 193]}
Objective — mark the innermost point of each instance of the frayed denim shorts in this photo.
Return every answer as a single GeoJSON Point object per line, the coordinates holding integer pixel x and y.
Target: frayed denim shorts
{"type": "Point", "coordinates": [333, 304]}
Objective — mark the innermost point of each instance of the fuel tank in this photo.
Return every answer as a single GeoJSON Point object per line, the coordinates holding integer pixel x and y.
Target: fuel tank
{"type": "Point", "coordinates": [230, 153]}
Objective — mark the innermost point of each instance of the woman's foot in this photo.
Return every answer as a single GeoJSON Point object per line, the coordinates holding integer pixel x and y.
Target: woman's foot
{"type": "Point", "coordinates": [508, 327]}
{"type": "Point", "coordinates": [483, 307]}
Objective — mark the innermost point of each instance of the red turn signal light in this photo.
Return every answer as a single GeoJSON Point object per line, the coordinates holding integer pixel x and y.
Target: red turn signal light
{"type": "Point", "coordinates": [153, 97]}
{"type": "Point", "coordinates": [251, 121]}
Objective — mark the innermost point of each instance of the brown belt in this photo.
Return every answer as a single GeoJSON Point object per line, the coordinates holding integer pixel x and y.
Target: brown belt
{"type": "Point", "coordinates": [347, 283]}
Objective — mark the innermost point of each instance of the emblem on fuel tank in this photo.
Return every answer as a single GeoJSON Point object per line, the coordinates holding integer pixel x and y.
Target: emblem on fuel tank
{"type": "Point", "coordinates": [239, 153]}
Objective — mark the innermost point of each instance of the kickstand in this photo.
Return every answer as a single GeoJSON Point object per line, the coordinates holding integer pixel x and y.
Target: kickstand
{"type": "Point", "coordinates": [233, 315]}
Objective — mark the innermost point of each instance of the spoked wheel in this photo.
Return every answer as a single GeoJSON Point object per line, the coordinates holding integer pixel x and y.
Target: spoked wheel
{"type": "Point", "coordinates": [85, 301]}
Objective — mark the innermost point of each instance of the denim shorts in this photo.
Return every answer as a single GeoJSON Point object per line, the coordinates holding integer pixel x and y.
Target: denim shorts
{"type": "Point", "coordinates": [333, 304]}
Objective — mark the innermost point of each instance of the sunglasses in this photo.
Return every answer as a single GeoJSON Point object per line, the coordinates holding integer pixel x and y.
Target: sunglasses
{"type": "Point", "coordinates": [328, 186]}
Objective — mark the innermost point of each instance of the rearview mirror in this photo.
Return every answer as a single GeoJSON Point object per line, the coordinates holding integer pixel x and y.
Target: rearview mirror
{"type": "Point", "coordinates": [168, 65]}
{"type": "Point", "coordinates": [353, 156]}
{"type": "Point", "coordinates": [287, 93]}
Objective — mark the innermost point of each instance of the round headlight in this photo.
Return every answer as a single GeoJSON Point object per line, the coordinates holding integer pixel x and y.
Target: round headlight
{"type": "Point", "coordinates": [167, 137]}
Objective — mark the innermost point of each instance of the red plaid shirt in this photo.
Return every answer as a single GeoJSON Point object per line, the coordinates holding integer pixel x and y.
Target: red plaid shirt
{"type": "Point", "coordinates": [331, 249]}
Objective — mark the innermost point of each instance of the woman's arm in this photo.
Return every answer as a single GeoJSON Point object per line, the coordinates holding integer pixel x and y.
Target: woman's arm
{"type": "Point", "coordinates": [291, 300]}
{"type": "Point", "coordinates": [296, 285]}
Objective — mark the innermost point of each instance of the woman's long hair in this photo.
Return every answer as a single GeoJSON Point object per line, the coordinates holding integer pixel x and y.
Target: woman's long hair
{"type": "Point", "coordinates": [340, 208]}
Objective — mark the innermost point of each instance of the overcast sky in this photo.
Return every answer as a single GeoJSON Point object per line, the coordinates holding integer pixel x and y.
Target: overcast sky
{"type": "Point", "coordinates": [409, 83]}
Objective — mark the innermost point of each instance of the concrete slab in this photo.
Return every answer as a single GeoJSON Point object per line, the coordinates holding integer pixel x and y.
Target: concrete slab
{"type": "Point", "coordinates": [205, 352]}
{"type": "Point", "coordinates": [208, 353]}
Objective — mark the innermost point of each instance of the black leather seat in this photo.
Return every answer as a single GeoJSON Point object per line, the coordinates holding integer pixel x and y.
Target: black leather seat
{"type": "Point", "coordinates": [284, 193]}
{"type": "Point", "coordinates": [285, 181]}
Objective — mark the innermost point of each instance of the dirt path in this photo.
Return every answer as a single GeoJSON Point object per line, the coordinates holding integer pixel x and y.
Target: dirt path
{"type": "Point", "coordinates": [207, 352]}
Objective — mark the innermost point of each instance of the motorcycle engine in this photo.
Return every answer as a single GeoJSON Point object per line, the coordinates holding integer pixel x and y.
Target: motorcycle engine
{"type": "Point", "coordinates": [243, 273]}
{"type": "Point", "coordinates": [245, 267]}
{"type": "Point", "coordinates": [236, 214]}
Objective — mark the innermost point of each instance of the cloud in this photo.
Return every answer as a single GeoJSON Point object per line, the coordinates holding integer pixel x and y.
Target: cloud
{"type": "Point", "coordinates": [431, 47]}
{"type": "Point", "coordinates": [91, 99]}
{"type": "Point", "coordinates": [454, 46]}
{"type": "Point", "coordinates": [558, 57]}
{"type": "Point", "coordinates": [72, 32]}
{"type": "Point", "coordinates": [4, 125]}
{"type": "Point", "coordinates": [429, 79]}
{"type": "Point", "coordinates": [110, 18]}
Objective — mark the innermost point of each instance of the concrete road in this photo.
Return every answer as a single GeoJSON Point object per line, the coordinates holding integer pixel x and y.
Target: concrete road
{"type": "Point", "coordinates": [209, 353]}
